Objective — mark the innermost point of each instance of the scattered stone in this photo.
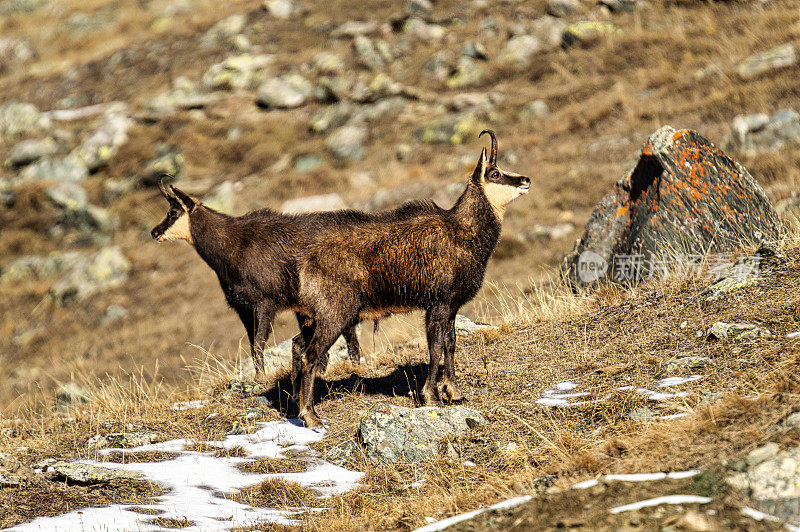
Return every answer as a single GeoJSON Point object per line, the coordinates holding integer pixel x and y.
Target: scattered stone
{"type": "Point", "coordinates": [14, 52]}
{"type": "Point", "coordinates": [761, 133]}
{"type": "Point", "coordinates": [418, 29]}
{"type": "Point", "coordinates": [319, 203]}
{"type": "Point", "coordinates": [71, 395]}
{"type": "Point", "coordinates": [393, 433]}
{"type": "Point", "coordinates": [76, 211]}
{"type": "Point", "coordinates": [282, 9]}
{"type": "Point", "coordinates": [773, 482]}
{"type": "Point", "coordinates": [32, 150]}
{"type": "Point", "coordinates": [328, 63]}
{"type": "Point", "coordinates": [761, 454]}
{"type": "Point", "coordinates": [68, 196]}
{"type": "Point", "coordinates": [243, 71]}
{"type": "Point", "coordinates": [548, 232]}
{"type": "Point", "coordinates": [737, 331]}
{"type": "Point", "coordinates": [467, 73]}
{"type": "Point", "coordinates": [793, 420]}
{"type": "Point", "coordinates": [642, 414]}
{"type": "Point", "coordinates": [746, 271]}
{"type": "Point", "coordinates": [108, 268]}
{"type": "Point", "coordinates": [184, 95]}
{"type": "Point", "coordinates": [331, 116]}
{"type": "Point", "coordinates": [688, 363]}
{"type": "Point", "coordinates": [168, 160]}
{"type": "Point", "coordinates": [534, 109]}
{"type": "Point", "coordinates": [563, 8]}
{"type": "Point", "coordinates": [36, 267]}
{"type": "Point", "coordinates": [122, 440]}
{"type": "Point", "coordinates": [548, 30]}
{"type": "Point", "coordinates": [285, 92]}
{"type": "Point", "coordinates": [520, 50]}
{"type": "Point", "coordinates": [655, 209]}
{"type": "Point", "coordinates": [252, 414]}
{"type": "Point", "coordinates": [103, 144]}
{"type": "Point", "coordinates": [465, 326]}
{"type": "Point", "coordinates": [113, 314]}
{"type": "Point", "coordinates": [223, 30]}
{"type": "Point", "coordinates": [353, 27]}
{"type": "Point", "coordinates": [775, 59]}
{"type": "Point", "coordinates": [223, 197]}
{"type": "Point", "coordinates": [440, 64]}
{"type": "Point", "coordinates": [366, 53]}
{"type": "Point", "coordinates": [342, 453]}
{"type": "Point", "coordinates": [587, 32]}
{"type": "Point", "coordinates": [347, 142]}
{"type": "Point", "coordinates": [620, 6]}
{"type": "Point", "coordinates": [475, 50]}
{"type": "Point", "coordinates": [87, 474]}
{"type": "Point", "coordinates": [18, 118]}
{"type": "Point", "coordinates": [453, 129]}
{"type": "Point", "coordinates": [70, 169]}
{"type": "Point", "coordinates": [332, 89]}
{"type": "Point", "coordinates": [13, 472]}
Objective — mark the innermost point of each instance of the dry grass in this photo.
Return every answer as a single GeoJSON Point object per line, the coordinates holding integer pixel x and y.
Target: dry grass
{"type": "Point", "coordinates": [138, 456]}
{"type": "Point", "coordinates": [274, 465]}
{"type": "Point", "coordinates": [277, 493]}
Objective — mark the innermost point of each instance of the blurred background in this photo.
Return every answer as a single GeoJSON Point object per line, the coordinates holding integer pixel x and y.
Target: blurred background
{"type": "Point", "coordinates": [322, 105]}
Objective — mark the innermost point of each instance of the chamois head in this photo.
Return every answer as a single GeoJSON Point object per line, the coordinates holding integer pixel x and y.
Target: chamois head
{"type": "Point", "coordinates": [499, 186]}
{"type": "Point", "coordinates": [175, 225]}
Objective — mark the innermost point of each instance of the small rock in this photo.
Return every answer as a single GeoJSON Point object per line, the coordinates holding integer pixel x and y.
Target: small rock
{"type": "Point", "coordinates": [70, 168]}
{"type": "Point", "coordinates": [586, 32]}
{"type": "Point", "coordinates": [36, 267]}
{"type": "Point", "coordinates": [69, 196]}
{"type": "Point", "coordinates": [465, 326]}
{"type": "Point", "coordinates": [620, 6]}
{"type": "Point", "coordinates": [104, 143]}
{"type": "Point", "coordinates": [737, 331]}
{"type": "Point", "coordinates": [347, 142]}
{"type": "Point", "coordinates": [113, 314]}
{"type": "Point", "coordinates": [70, 395]}
{"type": "Point", "coordinates": [642, 414]}
{"type": "Point", "coordinates": [548, 30]}
{"type": "Point", "coordinates": [762, 454]}
{"type": "Point", "coordinates": [167, 161]}
{"type": "Point", "coordinates": [563, 8]}
{"type": "Point", "coordinates": [520, 50]}
{"type": "Point", "coordinates": [13, 472]}
{"type": "Point", "coordinates": [319, 203]}
{"type": "Point", "coordinates": [738, 481]}
{"type": "Point", "coordinates": [332, 89]}
{"type": "Point", "coordinates": [252, 414]}
{"type": "Point", "coordinates": [282, 9]}
{"type": "Point", "coordinates": [534, 109]}
{"type": "Point", "coordinates": [243, 71]}
{"type": "Point", "coordinates": [87, 474]}
{"type": "Point", "coordinates": [762, 133]}
{"type": "Point", "coordinates": [692, 362]}
{"type": "Point", "coordinates": [13, 53]}
{"type": "Point", "coordinates": [453, 129]}
{"type": "Point", "coordinates": [353, 28]}
{"type": "Point", "coordinates": [224, 29]}
{"type": "Point", "coordinates": [366, 53]}
{"type": "Point", "coordinates": [775, 59]}
{"type": "Point", "coordinates": [307, 163]}
{"type": "Point", "coordinates": [547, 232]}
{"type": "Point", "coordinates": [418, 29]}
{"type": "Point", "coordinates": [29, 151]}
{"type": "Point", "coordinates": [467, 74]}
{"type": "Point", "coordinates": [18, 118]}
{"type": "Point", "coordinates": [475, 50]}
{"type": "Point", "coordinates": [328, 63]}
{"type": "Point", "coordinates": [340, 454]}
{"type": "Point", "coordinates": [286, 92]}
{"type": "Point", "coordinates": [98, 441]}
{"type": "Point", "coordinates": [184, 95]}
{"type": "Point", "coordinates": [793, 420]}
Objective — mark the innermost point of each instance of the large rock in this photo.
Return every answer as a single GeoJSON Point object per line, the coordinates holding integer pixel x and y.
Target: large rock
{"type": "Point", "coordinates": [683, 194]}
{"type": "Point", "coordinates": [773, 482]}
{"type": "Point", "coordinates": [391, 433]}
{"type": "Point", "coordinates": [87, 474]}
{"type": "Point", "coordinates": [108, 268]}
{"type": "Point", "coordinates": [69, 168]}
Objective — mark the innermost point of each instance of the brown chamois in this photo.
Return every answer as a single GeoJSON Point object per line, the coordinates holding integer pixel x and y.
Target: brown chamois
{"type": "Point", "coordinates": [254, 257]}
{"type": "Point", "coordinates": [431, 259]}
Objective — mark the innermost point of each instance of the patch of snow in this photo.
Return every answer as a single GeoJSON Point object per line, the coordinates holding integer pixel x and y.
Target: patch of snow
{"type": "Point", "coordinates": [758, 516]}
{"type": "Point", "coordinates": [560, 394]}
{"type": "Point", "coordinates": [565, 386]}
{"type": "Point", "coordinates": [637, 477]}
{"type": "Point", "coordinates": [667, 499]}
{"type": "Point", "coordinates": [675, 381]}
{"type": "Point", "coordinates": [188, 405]}
{"type": "Point", "coordinates": [795, 334]}
{"type": "Point", "coordinates": [673, 416]}
{"type": "Point", "coordinates": [201, 484]}
{"type": "Point", "coordinates": [585, 484]}
{"type": "Point", "coordinates": [445, 523]}
{"type": "Point", "coordinates": [677, 475]}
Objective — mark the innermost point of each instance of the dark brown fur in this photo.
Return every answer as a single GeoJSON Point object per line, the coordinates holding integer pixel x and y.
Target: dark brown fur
{"type": "Point", "coordinates": [432, 259]}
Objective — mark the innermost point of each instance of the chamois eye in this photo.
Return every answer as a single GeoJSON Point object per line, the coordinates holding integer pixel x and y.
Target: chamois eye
{"type": "Point", "coordinates": [495, 175]}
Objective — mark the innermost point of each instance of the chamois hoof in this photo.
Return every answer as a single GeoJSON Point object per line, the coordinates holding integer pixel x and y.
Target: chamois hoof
{"type": "Point", "coordinates": [451, 394]}
{"type": "Point", "coordinates": [312, 421]}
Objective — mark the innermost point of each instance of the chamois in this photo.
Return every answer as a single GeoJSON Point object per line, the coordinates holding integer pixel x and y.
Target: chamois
{"type": "Point", "coordinates": [254, 259]}
{"type": "Point", "coordinates": [430, 258]}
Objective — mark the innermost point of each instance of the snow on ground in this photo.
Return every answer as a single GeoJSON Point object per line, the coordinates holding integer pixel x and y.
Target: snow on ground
{"type": "Point", "coordinates": [667, 499]}
{"type": "Point", "coordinates": [450, 521]}
{"type": "Point", "coordinates": [562, 393]}
{"type": "Point", "coordinates": [201, 484]}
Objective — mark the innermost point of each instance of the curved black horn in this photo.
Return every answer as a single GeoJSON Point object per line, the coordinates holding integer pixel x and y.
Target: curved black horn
{"type": "Point", "coordinates": [162, 188]}
{"type": "Point", "coordinates": [493, 154]}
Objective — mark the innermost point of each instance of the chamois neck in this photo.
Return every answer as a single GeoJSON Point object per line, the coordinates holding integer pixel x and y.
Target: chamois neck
{"type": "Point", "coordinates": [210, 233]}
{"type": "Point", "coordinates": [478, 217]}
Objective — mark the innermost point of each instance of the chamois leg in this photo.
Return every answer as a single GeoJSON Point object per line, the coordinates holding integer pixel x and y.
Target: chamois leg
{"type": "Point", "coordinates": [325, 335]}
{"type": "Point", "coordinates": [249, 321]}
{"type": "Point", "coordinates": [435, 325]}
{"type": "Point", "coordinates": [353, 347]}
{"type": "Point", "coordinates": [447, 385]}
{"type": "Point", "coordinates": [264, 315]}
{"type": "Point", "coordinates": [299, 343]}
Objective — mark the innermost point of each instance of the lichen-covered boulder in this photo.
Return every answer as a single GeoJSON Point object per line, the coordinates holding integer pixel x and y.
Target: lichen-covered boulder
{"type": "Point", "coordinates": [86, 474]}
{"type": "Point", "coordinates": [683, 197]}
{"type": "Point", "coordinates": [391, 433]}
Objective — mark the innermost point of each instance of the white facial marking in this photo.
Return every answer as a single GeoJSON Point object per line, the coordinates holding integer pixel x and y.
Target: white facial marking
{"type": "Point", "coordinates": [178, 231]}
{"type": "Point", "coordinates": [501, 195]}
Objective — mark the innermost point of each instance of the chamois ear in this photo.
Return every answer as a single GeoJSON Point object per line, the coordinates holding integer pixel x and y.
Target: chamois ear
{"type": "Point", "coordinates": [188, 203]}
{"type": "Point", "coordinates": [480, 170]}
